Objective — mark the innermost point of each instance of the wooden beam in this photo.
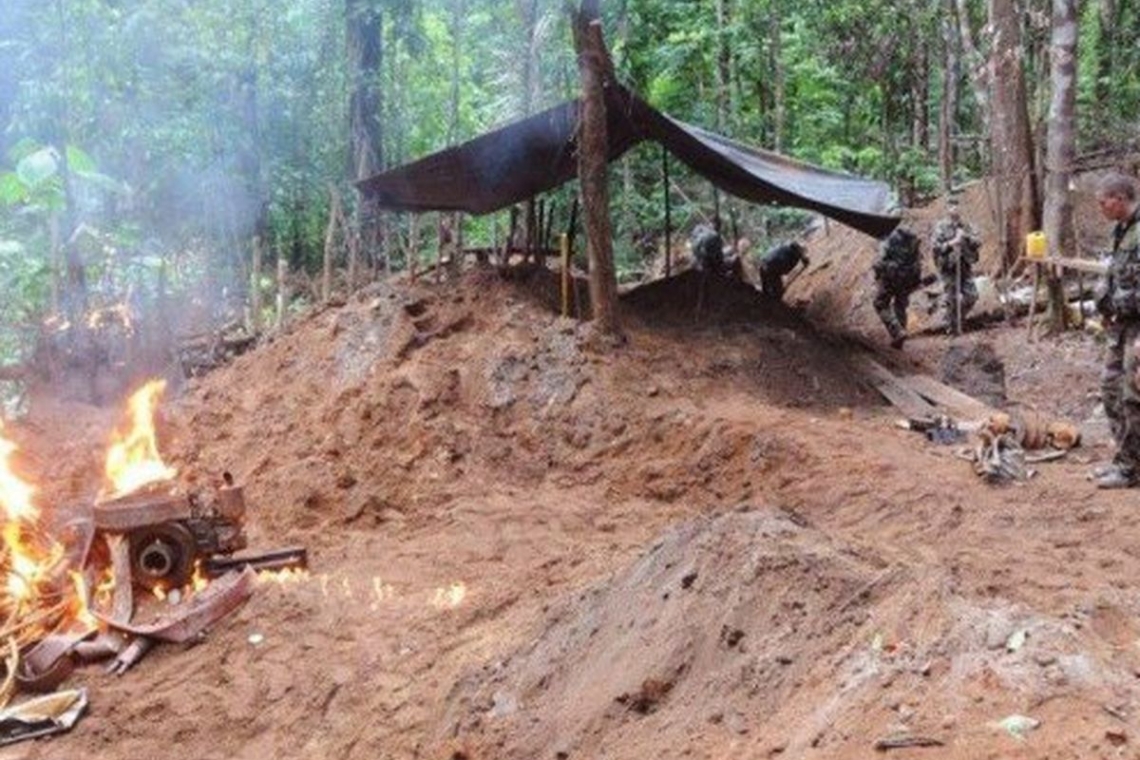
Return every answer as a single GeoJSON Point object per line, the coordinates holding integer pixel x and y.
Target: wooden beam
{"type": "Point", "coordinates": [902, 397]}
{"type": "Point", "coordinates": [1079, 265]}
{"type": "Point", "coordinates": [954, 401]}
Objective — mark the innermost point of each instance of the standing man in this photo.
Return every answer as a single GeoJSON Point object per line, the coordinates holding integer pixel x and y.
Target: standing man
{"type": "Point", "coordinates": [955, 249]}
{"type": "Point", "coordinates": [777, 262]}
{"type": "Point", "coordinates": [898, 273]}
{"type": "Point", "coordinates": [1118, 300]}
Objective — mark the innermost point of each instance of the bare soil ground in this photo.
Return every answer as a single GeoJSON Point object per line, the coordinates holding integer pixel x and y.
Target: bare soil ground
{"type": "Point", "coordinates": [709, 542]}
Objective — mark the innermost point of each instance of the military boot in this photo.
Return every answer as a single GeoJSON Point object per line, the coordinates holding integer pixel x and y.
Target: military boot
{"type": "Point", "coordinates": [1117, 477]}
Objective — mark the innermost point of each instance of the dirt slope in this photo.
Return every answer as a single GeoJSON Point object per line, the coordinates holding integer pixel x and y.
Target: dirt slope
{"type": "Point", "coordinates": [482, 488]}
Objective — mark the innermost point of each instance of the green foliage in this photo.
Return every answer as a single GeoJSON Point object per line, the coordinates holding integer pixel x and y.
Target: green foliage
{"type": "Point", "coordinates": [189, 127]}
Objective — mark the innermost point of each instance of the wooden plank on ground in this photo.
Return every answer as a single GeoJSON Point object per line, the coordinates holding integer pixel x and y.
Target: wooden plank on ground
{"type": "Point", "coordinates": [954, 401]}
{"type": "Point", "coordinates": [904, 398]}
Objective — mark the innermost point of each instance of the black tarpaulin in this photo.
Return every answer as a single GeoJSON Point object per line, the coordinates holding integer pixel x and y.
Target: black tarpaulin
{"type": "Point", "coordinates": [537, 154]}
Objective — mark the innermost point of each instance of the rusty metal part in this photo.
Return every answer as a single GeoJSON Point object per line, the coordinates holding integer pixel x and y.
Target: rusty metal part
{"type": "Point", "coordinates": [162, 554]}
{"type": "Point", "coordinates": [231, 503]}
{"type": "Point", "coordinates": [291, 558]}
{"type": "Point", "coordinates": [122, 600]}
{"type": "Point", "coordinates": [76, 535]}
{"type": "Point", "coordinates": [104, 645]}
{"type": "Point", "coordinates": [166, 534]}
{"type": "Point", "coordinates": [186, 620]}
{"type": "Point", "coordinates": [140, 510]}
{"type": "Point", "coordinates": [49, 663]}
{"type": "Point", "coordinates": [46, 681]}
{"type": "Point", "coordinates": [130, 655]}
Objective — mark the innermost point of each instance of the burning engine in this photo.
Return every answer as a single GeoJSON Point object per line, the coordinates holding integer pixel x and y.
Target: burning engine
{"type": "Point", "coordinates": [169, 534]}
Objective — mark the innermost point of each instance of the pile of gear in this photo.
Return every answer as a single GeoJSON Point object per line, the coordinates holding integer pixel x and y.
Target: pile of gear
{"type": "Point", "coordinates": [1003, 439]}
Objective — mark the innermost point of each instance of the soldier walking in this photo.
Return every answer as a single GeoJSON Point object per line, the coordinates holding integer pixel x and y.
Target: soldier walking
{"type": "Point", "coordinates": [898, 273]}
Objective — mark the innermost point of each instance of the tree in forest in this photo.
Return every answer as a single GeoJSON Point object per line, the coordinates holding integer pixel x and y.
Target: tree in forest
{"type": "Point", "coordinates": [1058, 223]}
{"type": "Point", "coordinates": [363, 30]}
{"type": "Point", "coordinates": [1010, 139]}
{"type": "Point", "coordinates": [596, 71]}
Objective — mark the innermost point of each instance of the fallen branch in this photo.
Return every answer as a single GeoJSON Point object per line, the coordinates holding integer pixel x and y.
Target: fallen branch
{"type": "Point", "coordinates": [906, 741]}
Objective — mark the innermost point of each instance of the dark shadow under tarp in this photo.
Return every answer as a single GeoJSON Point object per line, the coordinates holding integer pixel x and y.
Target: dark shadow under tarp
{"type": "Point", "coordinates": [537, 154]}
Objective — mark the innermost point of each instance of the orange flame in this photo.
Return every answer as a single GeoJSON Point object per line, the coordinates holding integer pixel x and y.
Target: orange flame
{"type": "Point", "coordinates": [284, 576]}
{"type": "Point", "coordinates": [27, 563]}
{"type": "Point", "coordinates": [133, 460]}
{"type": "Point", "coordinates": [15, 494]}
{"type": "Point", "coordinates": [199, 581]}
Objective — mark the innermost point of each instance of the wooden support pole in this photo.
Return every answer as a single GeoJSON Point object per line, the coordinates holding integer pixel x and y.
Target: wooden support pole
{"type": "Point", "coordinates": [457, 248]}
{"type": "Point", "coordinates": [255, 287]}
{"type": "Point", "coordinates": [354, 255]}
{"type": "Point", "coordinates": [1033, 301]}
{"type": "Point", "coordinates": [564, 246]}
{"type": "Point", "coordinates": [1081, 298]}
{"type": "Point", "coordinates": [441, 233]}
{"type": "Point", "coordinates": [282, 285]}
{"type": "Point", "coordinates": [668, 214]}
{"type": "Point", "coordinates": [510, 236]}
{"type": "Point", "coordinates": [330, 238]}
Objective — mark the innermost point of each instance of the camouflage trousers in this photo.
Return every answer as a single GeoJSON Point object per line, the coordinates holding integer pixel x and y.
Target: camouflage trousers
{"type": "Point", "coordinates": [891, 307]}
{"type": "Point", "coordinates": [951, 293]}
{"type": "Point", "coordinates": [1121, 397]}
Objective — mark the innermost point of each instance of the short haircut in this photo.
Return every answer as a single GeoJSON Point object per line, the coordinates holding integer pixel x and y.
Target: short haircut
{"type": "Point", "coordinates": [1117, 185]}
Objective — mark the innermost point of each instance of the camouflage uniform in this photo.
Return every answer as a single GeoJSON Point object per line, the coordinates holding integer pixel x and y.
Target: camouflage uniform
{"type": "Point", "coordinates": [777, 262]}
{"type": "Point", "coordinates": [1119, 301]}
{"type": "Point", "coordinates": [955, 264]}
{"type": "Point", "coordinates": [708, 249]}
{"type": "Point", "coordinates": [898, 273]}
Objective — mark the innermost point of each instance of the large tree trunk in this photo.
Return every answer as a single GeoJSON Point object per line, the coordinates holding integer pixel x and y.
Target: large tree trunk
{"type": "Point", "coordinates": [363, 26]}
{"type": "Point", "coordinates": [1010, 135]}
{"type": "Point", "coordinates": [976, 65]}
{"type": "Point", "coordinates": [595, 70]}
{"type": "Point", "coordinates": [1061, 147]}
{"type": "Point", "coordinates": [1105, 55]}
{"type": "Point", "coordinates": [920, 95]}
{"type": "Point", "coordinates": [947, 118]}
{"type": "Point", "coordinates": [723, 73]}
{"type": "Point", "coordinates": [776, 63]}
{"type": "Point", "coordinates": [363, 29]}
{"type": "Point", "coordinates": [458, 11]}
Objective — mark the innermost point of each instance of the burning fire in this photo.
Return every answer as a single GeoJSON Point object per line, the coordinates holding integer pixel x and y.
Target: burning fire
{"type": "Point", "coordinates": [284, 576]}
{"type": "Point", "coordinates": [133, 460]}
{"type": "Point", "coordinates": [27, 558]}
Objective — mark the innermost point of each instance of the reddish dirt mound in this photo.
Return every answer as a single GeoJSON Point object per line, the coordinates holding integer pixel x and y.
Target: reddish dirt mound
{"type": "Point", "coordinates": [718, 624]}
{"type": "Point", "coordinates": [461, 462]}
